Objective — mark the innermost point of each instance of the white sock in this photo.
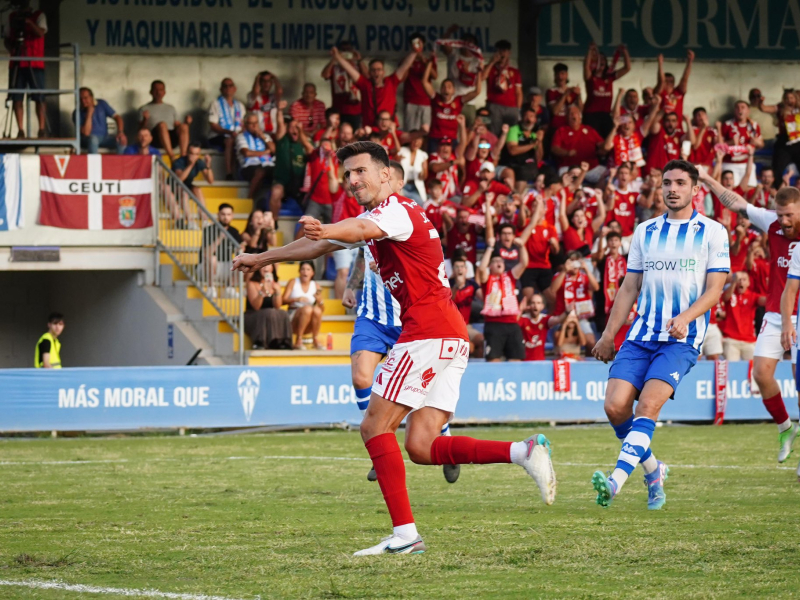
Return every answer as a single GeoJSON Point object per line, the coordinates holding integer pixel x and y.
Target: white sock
{"type": "Point", "coordinates": [620, 477]}
{"type": "Point", "coordinates": [363, 413]}
{"type": "Point", "coordinates": [519, 452]}
{"type": "Point", "coordinates": [784, 426]}
{"type": "Point", "coordinates": [446, 429]}
{"type": "Point", "coordinates": [650, 465]}
{"type": "Point", "coordinates": [407, 531]}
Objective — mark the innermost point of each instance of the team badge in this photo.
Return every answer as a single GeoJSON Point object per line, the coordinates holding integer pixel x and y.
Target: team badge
{"type": "Point", "coordinates": [127, 211]}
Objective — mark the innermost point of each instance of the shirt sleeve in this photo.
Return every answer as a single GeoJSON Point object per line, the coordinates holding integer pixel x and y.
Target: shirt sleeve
{"type": "Point", "coordinates": [44, 348]}
{"type": "Point", "coordinates": [719, 258]}
{"type": "Point", "coordinates": [761, 217]}
{"type": "Point", "coordinates": [41, 21]}
{"type": "Point", "coordinates": [513, 135]}
{"type": "Point", "coordinates": [794, 264]}
{"type": "Point", "coordinates": [213, 112]}
{"type": "Point", "coordinates": [635, 259]}
{"type": "Point", "coordinates": [393, 219]}
{"type": "Point", "coordinates": [241, 143]}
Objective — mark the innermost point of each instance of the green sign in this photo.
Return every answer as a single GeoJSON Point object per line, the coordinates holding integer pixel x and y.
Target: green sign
{"type": "Point", "coordinates": [714, 29]}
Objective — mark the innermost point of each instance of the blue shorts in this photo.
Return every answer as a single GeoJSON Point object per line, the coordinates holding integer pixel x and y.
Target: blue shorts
{"type": "Point", "coordinates": [638, 362]}
{"type": "Point", "coordinates": [372, 336]}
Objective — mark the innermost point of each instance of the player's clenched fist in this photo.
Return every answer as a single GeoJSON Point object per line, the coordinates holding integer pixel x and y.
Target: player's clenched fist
{"type": "Point", "coordinates": [246, 263]}
{"type": "Point", "coordinates": [677, 327]}
{"type": "Point", "coordinates": [604, 349]}
{"type": "Point", "coordinates": [312, 228]}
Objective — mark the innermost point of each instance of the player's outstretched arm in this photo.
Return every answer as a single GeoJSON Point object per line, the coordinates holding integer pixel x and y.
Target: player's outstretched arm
{"type": "Point", "coordinates": [788, 299]}
{"type": "Point", "coordinates": [349, 231]}
{"type": "Point", "coordinates": [729, 198]}
{"type": "Point", "coordinates": [604, 349]}
{"type": "Point", "coordinates": [678, 327]}
{"type": "Point", "coordinates": [301, 249]}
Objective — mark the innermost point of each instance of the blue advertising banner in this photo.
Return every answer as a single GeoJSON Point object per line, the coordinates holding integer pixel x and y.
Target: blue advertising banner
{"type": "Point", "coordinates": [199, 397]}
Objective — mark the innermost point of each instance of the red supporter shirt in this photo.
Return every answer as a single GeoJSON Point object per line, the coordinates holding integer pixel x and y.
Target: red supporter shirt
{"type": "Point", "coordinates": [583, 140]}
{"type": "Point", "coordinates": [464, 297]}
{"type": "Point", "coordinates": [345, 96]}
{"type": "Point", "coordinates": [466, 241]}
{"type": "Point", "coordinates": [538, 246]}
{"type": "Point", "coordinates": [345, 206]}
{"type": "Point", "coordinates": [575, 293]}
{"type": "Point", "coordinates": [443, 117]}
{"type": "Point", "coordinates": [672, 102]}
{"type": "Point", "coordinates": [740, 317]}
{"type": "Point", "coordinates": [375, 100]}
{"type": "Point", "coordinates": [629, 149]}
{"type": "Point", "coordinates": [317, 173]}
{"type": "Point", "coordinates": [704, 153]}
{"type": "Point", "coordinates": [448, 177]}
{"type": "Point", "coordinates": [573, 241]}
{"type": "Point", "coordinates": [559, 119]}
{"type": "Point", "coordinates": [738, 260]}
{"type": "Point", "coordinates": [663, 147]}
{"type": "Point", "coordinates": [387, 141]}
{"type": "Point", "coordinates": [472, 170]}
{"type": "Point", "coordinates": [495, 187]}
{"type": "Point", "coordinates": [624, 210]}
{"type": "Point", "coordinates": [434, 212]}
{"type": "Point", "coordinates": [411, 266]}
{"type": "Point", "coordinates": [413, 91]}
{"type": "Point", "coordinates": [635, 114]}
{"type": "Point", "coordinates": [599, 94]}
{"type": "Point", "coordinates": [310, 118]}
{"type": "Point", "coordinates": [502, 84]}
{"type": "Point", "coordinates": [534, 334]}
{"type": "Point", "coordinates": [739, 134]}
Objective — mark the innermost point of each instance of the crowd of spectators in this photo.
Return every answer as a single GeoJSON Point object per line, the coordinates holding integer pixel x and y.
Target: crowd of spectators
{"type": "Point", "coordinates": [535, 194]}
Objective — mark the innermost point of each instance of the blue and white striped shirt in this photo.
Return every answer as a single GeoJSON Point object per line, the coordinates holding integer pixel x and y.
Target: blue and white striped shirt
{"type": "Point", "coordinates": [674, 257]}
{"type": "Point", "coordinates": [377, 304]}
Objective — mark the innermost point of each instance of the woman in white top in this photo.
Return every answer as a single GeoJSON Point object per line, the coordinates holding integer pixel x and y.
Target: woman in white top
{"type": "Point", "coordinates": [305, 305]}
{"type": "Point", "coordinates": [415, 165]}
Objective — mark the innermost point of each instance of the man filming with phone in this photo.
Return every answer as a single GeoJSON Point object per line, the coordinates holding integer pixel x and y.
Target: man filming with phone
{"type": "Point", "coordinates": [25, 37]}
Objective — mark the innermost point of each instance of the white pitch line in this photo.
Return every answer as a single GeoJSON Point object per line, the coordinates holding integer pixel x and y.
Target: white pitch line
{"type": "Point", "coordinates": [93, 589]}
{"type": "Point", "coordinates": [345, 459]}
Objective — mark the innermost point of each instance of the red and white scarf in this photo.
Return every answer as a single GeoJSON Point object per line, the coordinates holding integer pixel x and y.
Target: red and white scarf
{"type": "Point", "coordinates": [501, 297]}
{"type": "Point", "coordinates": [615, 269]}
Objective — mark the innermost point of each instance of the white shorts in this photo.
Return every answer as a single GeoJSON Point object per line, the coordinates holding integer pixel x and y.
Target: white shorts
{"type": "Point", "coordinates": [343, 259]}
{"type": "Point", "coordinates": [768, 342]}
{"type": "Point", "coordinates": [424, 373]}
{"type": "Point", "coordinates": [712, 344]}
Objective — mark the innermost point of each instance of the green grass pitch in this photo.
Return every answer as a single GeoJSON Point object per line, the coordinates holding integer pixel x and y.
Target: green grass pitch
{"type": "Point", "coordinates": [248, 516]}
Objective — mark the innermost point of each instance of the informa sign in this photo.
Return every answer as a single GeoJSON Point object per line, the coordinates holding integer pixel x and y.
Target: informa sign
{"type": "Point", "coordinates": [197, 397]}
{"type": "Point", "coordinates": [288, 27]}
{"type": "Point", "coordinates": [714, 29]}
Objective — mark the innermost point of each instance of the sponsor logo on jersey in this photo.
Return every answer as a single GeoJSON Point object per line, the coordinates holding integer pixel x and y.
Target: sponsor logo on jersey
{"type": "Point", "coordinates": [681, 264]}
{"type": "Point", "coordinates": [393, 282]}
{"type": "Point", "coordinates": [652, 227]}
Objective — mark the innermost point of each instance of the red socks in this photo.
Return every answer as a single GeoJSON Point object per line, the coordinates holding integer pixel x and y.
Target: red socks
{"type": "Point", "coordinates": [776, 408]}
{"type": "Point", "coordinates": [391, 471]}
{"type": "Point", "coordinates": [462, 450]}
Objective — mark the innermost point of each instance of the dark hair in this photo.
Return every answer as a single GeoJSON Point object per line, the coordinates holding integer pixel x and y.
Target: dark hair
{"type": "Point", "coordinates": [448, 79]}
{"type": "Point", "coordinates": [669, 75]}
{"type": "Point", "coordinates": [612, 234]}
{"type": "Point", "coordinates": [699, 109]}
{"type": "Point", "coordinates": [460, 259]}
{"type": "Point", "coordinates": [725, 172]}
{"type": "Point", "coordinates": [502, 45]}
{"type": "Point", "coordinates": [671, 114]}
{"type": "Point", "coordinates": [459, 254]}
{"type": "Point", "coordinates": [528, 109]}
{"type": "Point", "coordinates": [331, 111]}
{"type": "Point", "coordinates": [626, 164]}
{"type": "Point", "coordinates": [223, 206]}
{"type": "Point", "coordinates": [393, 164]}
{"type": "Point", "coordinates": [470, 37]}
{"type": "Point", "coordinates": [376, 152]}
{"type": "Point", "coordinates": [55, 317]}
{"type": "Point", "coordinates": [505, 226]}
{"type": "Point", "coordinates": [416, 36]}
{"type": "Point", "coordinates": [86, 89]}
{"type": "Point", "coordinates": [310, 263]}
{"type": "Point", "coordinates": [195, 145]}
{"type": "Point", "coordinates": [682, 165]}
{"type": "Point", "coordinates": [558, 67]}
{"type": "Point", "coordinates": [257, 275]}
{"type": "Point", "coordinates": [550, 178]}
{"type": "Point", "coordinates": [376, 60]}
{"type": "Point", "coordinates": [156, 81]}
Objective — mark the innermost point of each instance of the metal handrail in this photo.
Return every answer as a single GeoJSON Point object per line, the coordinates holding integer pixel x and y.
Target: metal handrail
{"type": "Point", "coordinates": [200, 247]}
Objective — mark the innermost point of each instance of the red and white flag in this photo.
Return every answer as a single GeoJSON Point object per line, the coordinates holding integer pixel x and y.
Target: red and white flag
{"type": "Point", "coordinates": [96, 192]}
